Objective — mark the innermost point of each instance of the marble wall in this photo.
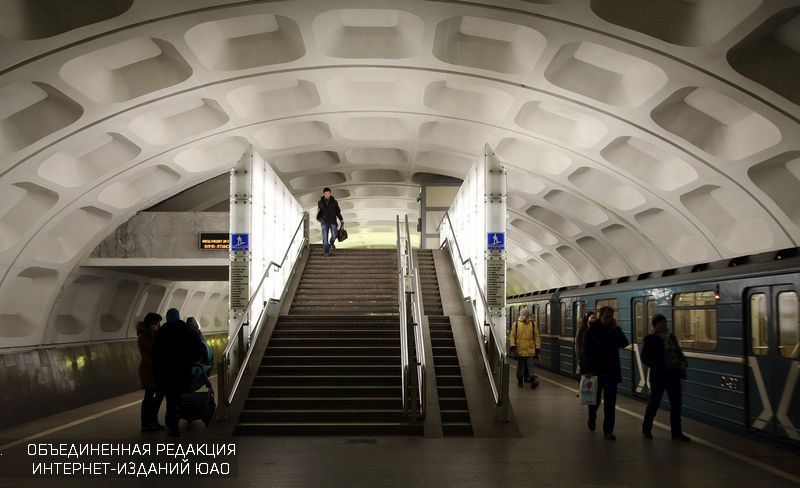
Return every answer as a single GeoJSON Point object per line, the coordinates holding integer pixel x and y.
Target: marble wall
{"type": "Point", "coordinates": [163, 235]}
{"type": "Point", "coordinates": [49, 380]}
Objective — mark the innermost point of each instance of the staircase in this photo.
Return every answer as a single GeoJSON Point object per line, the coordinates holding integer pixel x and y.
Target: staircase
{"type": "Point", "coordinates": [452, 397]}
{"type": "Point", "coordinates": [332, 366]}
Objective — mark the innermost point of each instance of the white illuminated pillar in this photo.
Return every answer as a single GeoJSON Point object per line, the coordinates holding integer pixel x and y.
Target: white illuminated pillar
{"type": "Point", "coordinates": [241, 182]}
{"type": "Point", "coordinates": [495, 243]}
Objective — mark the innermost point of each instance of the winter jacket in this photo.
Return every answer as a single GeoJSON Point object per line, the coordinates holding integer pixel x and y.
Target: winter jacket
{"type": "Point", "coordinates": [579, 338]}
{"type": "Point", "coordinates": [601, 347]}
{"type": "Point", "coordinates": [653, 356]}
{"type": "Point", "coordinates": [526, 337]}
{"type": "Point", "coordinates": [328, 211]}
{"type": "Point", "coordinates": [177, 347]}
{"type": "Point", "coordinates": [146, 377]}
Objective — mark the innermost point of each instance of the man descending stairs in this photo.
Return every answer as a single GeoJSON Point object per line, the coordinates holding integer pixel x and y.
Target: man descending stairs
{"type": "Point", "coordinates": [332, 366]}
{"type": "Point", "coordinates": [450, 387]}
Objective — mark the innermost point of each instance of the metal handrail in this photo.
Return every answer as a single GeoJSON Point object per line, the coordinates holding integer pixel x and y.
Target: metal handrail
{"type": "Point", "coordinates": [498, 397]}
{"type": "Point", "coordinates": [401, 302]}
{"type": "Point", "coordinates": [228, 397]}
{"type": "Point", "coordinates": [419, 340]}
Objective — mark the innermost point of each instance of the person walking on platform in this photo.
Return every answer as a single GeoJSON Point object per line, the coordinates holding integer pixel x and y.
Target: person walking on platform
{"type": "Point", "coordinates": [662, 353]}
{"type": "Point", "coordinates": [526, 342]}
{"type": "Point", "coordinates": [601, 347]}
{"type": "Point", "coordinates": [177, 347]}
{"type": "Point", "coordinates": [586, 322]}
{"type": "Point", "coordinates": [146, 331]}
{"type": "Point", "coordinates": [327, 213]}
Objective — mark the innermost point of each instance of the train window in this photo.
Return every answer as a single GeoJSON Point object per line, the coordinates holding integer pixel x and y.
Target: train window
{"type": "Point", "coordinates": [789, 324]}
{"type": "Point", "coordinates": [562, 323]}
{"type": "Point", "coordinates": [759, 328]}
{"type": "Point", "coordinates": [638, 320]}
{"type": "Point", "coordinates": [608, 302]}
{"type": "Point", "coordinates": [548, 319]}
{"type": "Point", "coordinates": [651, 312]}
{"type": "Point", "coordinates": [694, 319]}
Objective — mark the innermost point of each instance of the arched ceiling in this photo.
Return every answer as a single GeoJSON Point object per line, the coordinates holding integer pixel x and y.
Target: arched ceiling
{"type": "Point", "coordinates": [638, 135]}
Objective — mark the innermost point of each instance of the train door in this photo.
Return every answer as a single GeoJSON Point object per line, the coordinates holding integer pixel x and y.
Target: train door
{"type": "Point", "coordinates": [578, 309]}
{"type": "Point", "coordinates": [644, 308]}
{"type": "Point", "coordinates": [773, 358]}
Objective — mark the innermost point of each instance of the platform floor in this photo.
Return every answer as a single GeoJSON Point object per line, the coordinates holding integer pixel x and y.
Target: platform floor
{"type": "Point", "coordinates": [555, 450]}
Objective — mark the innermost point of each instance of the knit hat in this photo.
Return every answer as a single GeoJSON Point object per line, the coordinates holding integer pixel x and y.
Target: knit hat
{"type": "Point", "coordinates": [657, 318]}
{"type": "Point", "coordinates": [173, 315]}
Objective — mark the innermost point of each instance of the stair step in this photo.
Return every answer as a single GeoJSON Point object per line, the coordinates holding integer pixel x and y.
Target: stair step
{"type": "Point", "coordinates": [331, 360]}
{"type": "Point", "coordinates": [328, 429]}
{"type": "Point", "coordinates": [451, 391]}
{"type": "Point", "coordinates": [449, 380]}
{"type": "Point", "coordinates": [326, 391]}
{"type": "Point", "coordinates": [330, 332]}
{"type": "Point", "coordinates": [323, 416]}
{"type": "Point", "coordinates": [329, 380]}
{"type": "Point", "coordinates": [330, 370]}
{"type": "Point", "coordinates": [458, 403]}
{"type": "Point", "coordinates": [323, 403]}
{"type": "Point", "coordinates": [334, 351]}
{"type": "Point", "coordinates": [455, 416]}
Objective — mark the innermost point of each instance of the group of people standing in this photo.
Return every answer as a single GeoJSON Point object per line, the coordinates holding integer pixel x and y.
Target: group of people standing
{"type": "Point", "coordinates": [597, 345]}
{"type": "Point", "coordinates": [170, 354]}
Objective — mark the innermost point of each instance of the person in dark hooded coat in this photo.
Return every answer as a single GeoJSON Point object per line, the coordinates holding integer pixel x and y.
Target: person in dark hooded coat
{"type": "Point", "coordinates": [327, 213]}
{"type": "Point", "coordinates": [177, 347]}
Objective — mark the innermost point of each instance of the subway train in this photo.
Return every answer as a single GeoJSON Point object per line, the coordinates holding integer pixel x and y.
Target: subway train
{"type": "Point", "coordinates": [738, 322]}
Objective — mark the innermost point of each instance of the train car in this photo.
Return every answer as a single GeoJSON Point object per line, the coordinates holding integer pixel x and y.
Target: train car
{"type": "Point", "coordinates": [738, 322]}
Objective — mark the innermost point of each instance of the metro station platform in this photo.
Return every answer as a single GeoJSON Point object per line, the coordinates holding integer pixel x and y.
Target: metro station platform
{"type": "Point", "coordinates": [555, 450]}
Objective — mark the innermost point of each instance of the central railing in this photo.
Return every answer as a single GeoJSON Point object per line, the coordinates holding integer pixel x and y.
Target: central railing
{"type": "Point", "coordinates": [409, 300]}
{"type": "Point", "coordinates": [493, 348]}
{"type": "Point", "coordinates": [241, 345]}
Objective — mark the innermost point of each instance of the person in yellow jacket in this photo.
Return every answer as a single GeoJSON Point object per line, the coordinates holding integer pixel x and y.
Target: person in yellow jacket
{"type": "Point", "coordinates": [526, 342]}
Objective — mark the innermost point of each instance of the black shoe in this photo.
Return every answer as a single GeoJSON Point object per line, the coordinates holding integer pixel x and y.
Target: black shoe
{"type": "Point", "coordinates": [609, 436]}
{"type": "Point", "coordinates": [534, 385]}
{"type": "Point", "coordinates": [681, 438]}
{"type": "Point", "coordinates": [592, 424]}
{"type": "Point", "coordinates": [647, 434]}
{"type": "Point", "coordinates": [520, 384]}
{"type": "Point", "coordinates": [332, 247]}
{"type": "Point", "coordinates": [325, 255]}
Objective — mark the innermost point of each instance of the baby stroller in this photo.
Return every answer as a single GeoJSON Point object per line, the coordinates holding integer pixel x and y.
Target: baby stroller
{"type": "Point", "coordinates": [200, 405]}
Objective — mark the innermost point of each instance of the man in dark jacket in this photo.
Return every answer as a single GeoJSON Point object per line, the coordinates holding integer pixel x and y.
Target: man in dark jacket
{"type": "Point", "coordinates": [327, 213]}
{"type": "Point", "coordinates": [176, 348]}
{"type": "Point", "coordinates": [601, 346]}
{"type": "Point", "coordinates": [662, 353]}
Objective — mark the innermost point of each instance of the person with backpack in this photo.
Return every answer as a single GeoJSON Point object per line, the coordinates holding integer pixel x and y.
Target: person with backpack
{"type": "Point", "coordinates": [662, 353]}
{"type": "Point", "coordinates": [327, 212]}
{"type": "Point", "coordinates": [526, 343]}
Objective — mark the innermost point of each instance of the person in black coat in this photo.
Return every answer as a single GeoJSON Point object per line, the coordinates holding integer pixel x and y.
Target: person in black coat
{"type": "Point", "coordinates": [175, 350]}
{"type": "Point", "coordinates": [601, 346]}
{"type": "Point", "coordinates": [327, 213]}
{"type": "Point", "coordinates": [662, 353]}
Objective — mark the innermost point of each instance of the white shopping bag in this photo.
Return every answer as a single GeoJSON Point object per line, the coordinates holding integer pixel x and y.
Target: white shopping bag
{"type": "Point", "coordinates": [588, 390]}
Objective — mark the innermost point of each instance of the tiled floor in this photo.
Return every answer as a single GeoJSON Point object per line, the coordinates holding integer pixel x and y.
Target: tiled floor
{"type": "Point", "coordinates": [556, 450]}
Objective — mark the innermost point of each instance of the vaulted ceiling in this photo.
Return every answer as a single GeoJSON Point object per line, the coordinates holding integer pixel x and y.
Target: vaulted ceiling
{"type": "Point", "coordinates": [637, 135]}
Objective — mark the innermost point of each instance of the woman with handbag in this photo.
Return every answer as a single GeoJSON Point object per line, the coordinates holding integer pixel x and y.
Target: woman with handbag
{"type": "Point", "coordinates": [662, 353]}
{"type": "Point", "coordinates": [526, 342]}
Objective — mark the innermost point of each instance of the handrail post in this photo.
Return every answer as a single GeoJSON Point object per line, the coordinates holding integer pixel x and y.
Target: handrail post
{"type": "Point", "coordinates": [412, 370]}
{"type": "Point", "coordinates": [306, 229]}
